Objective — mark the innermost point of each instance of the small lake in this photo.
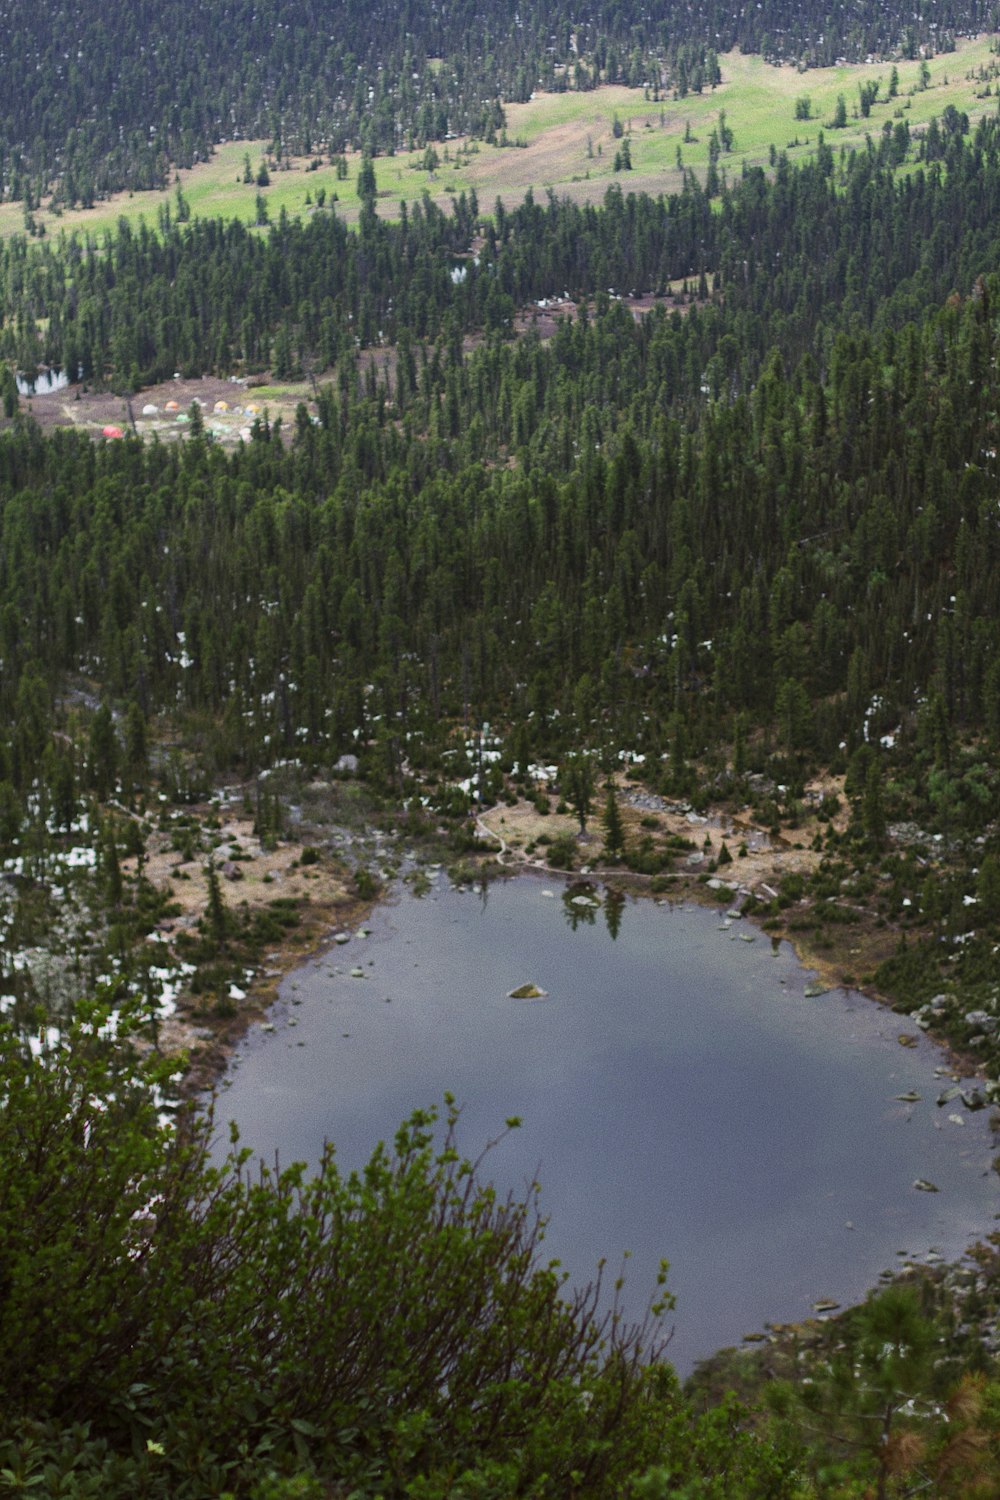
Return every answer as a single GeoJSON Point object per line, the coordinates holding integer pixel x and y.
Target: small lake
{"type": "Point", "coordinates": [45, 383]}
{"type": "Point", "coordinates": [680, 1094]}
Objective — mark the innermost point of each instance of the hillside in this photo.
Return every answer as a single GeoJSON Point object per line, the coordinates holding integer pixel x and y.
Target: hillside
{"type": "Point", "coordinates": [412, 528]}
{"type": "Point", "coordinates": [91, 106]}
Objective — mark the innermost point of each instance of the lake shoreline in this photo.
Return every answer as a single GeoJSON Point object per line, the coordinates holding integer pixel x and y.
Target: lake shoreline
{"type": "Point", "coordinates": [319, 986]}
{"type": "Point", "coordinates": [213, 1058]}
{"type": "Point", "coordinates": [828, 967]}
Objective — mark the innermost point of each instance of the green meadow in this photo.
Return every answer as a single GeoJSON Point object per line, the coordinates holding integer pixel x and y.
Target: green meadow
{"type": "Point", "coordinates": [569, 142]}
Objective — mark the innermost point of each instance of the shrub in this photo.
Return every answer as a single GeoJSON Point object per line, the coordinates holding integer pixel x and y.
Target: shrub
{"type": "Point", "coordinates": [562, 852]}
{"type": "Point", "coordinates": [210, 1326]}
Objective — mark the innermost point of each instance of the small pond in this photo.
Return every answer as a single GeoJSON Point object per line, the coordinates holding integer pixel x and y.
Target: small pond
{"type": "Point", "coordinates": [45, 383]}
{"type": "Point", "coordinates": [681, 1095]}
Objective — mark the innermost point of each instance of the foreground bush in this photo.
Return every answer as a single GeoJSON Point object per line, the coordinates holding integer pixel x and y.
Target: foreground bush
{"type": "Point", "coordinates": [169, 1328]}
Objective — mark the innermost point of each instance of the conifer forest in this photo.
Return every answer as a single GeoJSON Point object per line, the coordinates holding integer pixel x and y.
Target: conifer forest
{"type": "Point", "coordinates": [562, 532]}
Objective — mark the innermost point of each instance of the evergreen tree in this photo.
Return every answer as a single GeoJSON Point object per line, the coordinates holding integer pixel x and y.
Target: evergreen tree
{"type": "Point", "coordinates": [872, 808]}
{"type": "Point", "coordinates": [614, 830]}
{"type": "Point", "coordinates": [102, 757]}
{"type": "Point", "coordinates": [217, 918]}
{"type": "Point", "coordinates": [577, 780]}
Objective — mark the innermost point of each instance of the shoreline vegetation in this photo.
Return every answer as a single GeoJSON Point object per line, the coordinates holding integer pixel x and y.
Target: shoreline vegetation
{"type": "Point", "coordinates": [337, 843]}
{"type": "Point", "coordinates": [286, 869]}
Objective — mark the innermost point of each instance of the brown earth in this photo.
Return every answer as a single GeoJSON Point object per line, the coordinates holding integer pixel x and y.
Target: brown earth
{"type": "Point", "coordinates": [764, 864]}
{"type": "Point", "coordinates": [251, 877]}
{"type": "Point", "coordinates": [91, 411]}
{"type": "Point", "coordinates": [840, 956]}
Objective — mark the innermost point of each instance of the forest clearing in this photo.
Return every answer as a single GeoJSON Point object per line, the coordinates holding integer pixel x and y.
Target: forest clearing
{"type": "Point", "coordinates": [567, 142]}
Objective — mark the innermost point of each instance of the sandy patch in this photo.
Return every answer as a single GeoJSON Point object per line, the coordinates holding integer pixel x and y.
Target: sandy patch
{"type": "Point", "coordinates": [759, 870]}
{"type": "Point", "coordinates": [251, 877]}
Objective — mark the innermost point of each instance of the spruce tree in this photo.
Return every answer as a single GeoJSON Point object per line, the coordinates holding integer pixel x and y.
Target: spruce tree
{"type": "Point", "coordinates": [614, 829]}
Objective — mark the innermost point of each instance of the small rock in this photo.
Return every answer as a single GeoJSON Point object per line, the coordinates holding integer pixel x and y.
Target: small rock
{"type": "Point", "coordinates": [825, 1305]}
{"type": "Point", "coordinates": [527, 991]}
{"type": "Point", "coordinates": [923, 1186]}
{"type": "Point", "coordinates": [357, 973]}
{"type": "Point", "coordinates": [906, 1039]}
{"type": "Point", "coordinates": [909, 1098]}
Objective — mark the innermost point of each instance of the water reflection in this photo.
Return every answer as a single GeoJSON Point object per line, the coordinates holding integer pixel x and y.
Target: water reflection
{"type": "Point", "coordinates": [42, 383]}
{"type": "Point", "coordinates": [684, 1093]}
{"type": "Point", "coordinates": [614, 906]}
{"type": "Point", "coordinates": [580, 903]}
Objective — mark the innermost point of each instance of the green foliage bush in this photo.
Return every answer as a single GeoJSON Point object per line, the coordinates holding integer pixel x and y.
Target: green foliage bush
{"type": "Point", "coordinates": [562, 851]}
{"type": "Point", "coordinates": [169, 1327]}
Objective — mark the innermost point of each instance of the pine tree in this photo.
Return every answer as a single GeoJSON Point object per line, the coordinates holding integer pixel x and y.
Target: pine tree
{"type": "Point", "coordinates": [135, 738]}
{"type": "Point", "coordinates": [367, 186]}
{"type": "Point", "coordinates": [102, 760]}
{"type": "Point", "coordinates": [218, 918]}
{"type": "Point", "coordinates": [614, 830]}
{"type": "Point", "coordinates": [112, 869]}
{"type": "Point", "coordinates": [578, 784]}
{"type": "Point", "coordinates": [872, 808]}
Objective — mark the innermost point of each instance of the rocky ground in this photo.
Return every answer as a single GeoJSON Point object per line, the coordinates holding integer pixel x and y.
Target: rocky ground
{"type": "Point", "coordinates": [253, 874]}
{"type": "Point", "coordinates": [238, 408]}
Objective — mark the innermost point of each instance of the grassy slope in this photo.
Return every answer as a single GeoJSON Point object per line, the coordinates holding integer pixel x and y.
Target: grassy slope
{"type": "Point", "coordinates": [570, 146]}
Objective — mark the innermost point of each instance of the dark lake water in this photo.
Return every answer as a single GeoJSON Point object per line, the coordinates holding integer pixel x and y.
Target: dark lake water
{"type": "Point", "coordinates": [680, 1095]}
